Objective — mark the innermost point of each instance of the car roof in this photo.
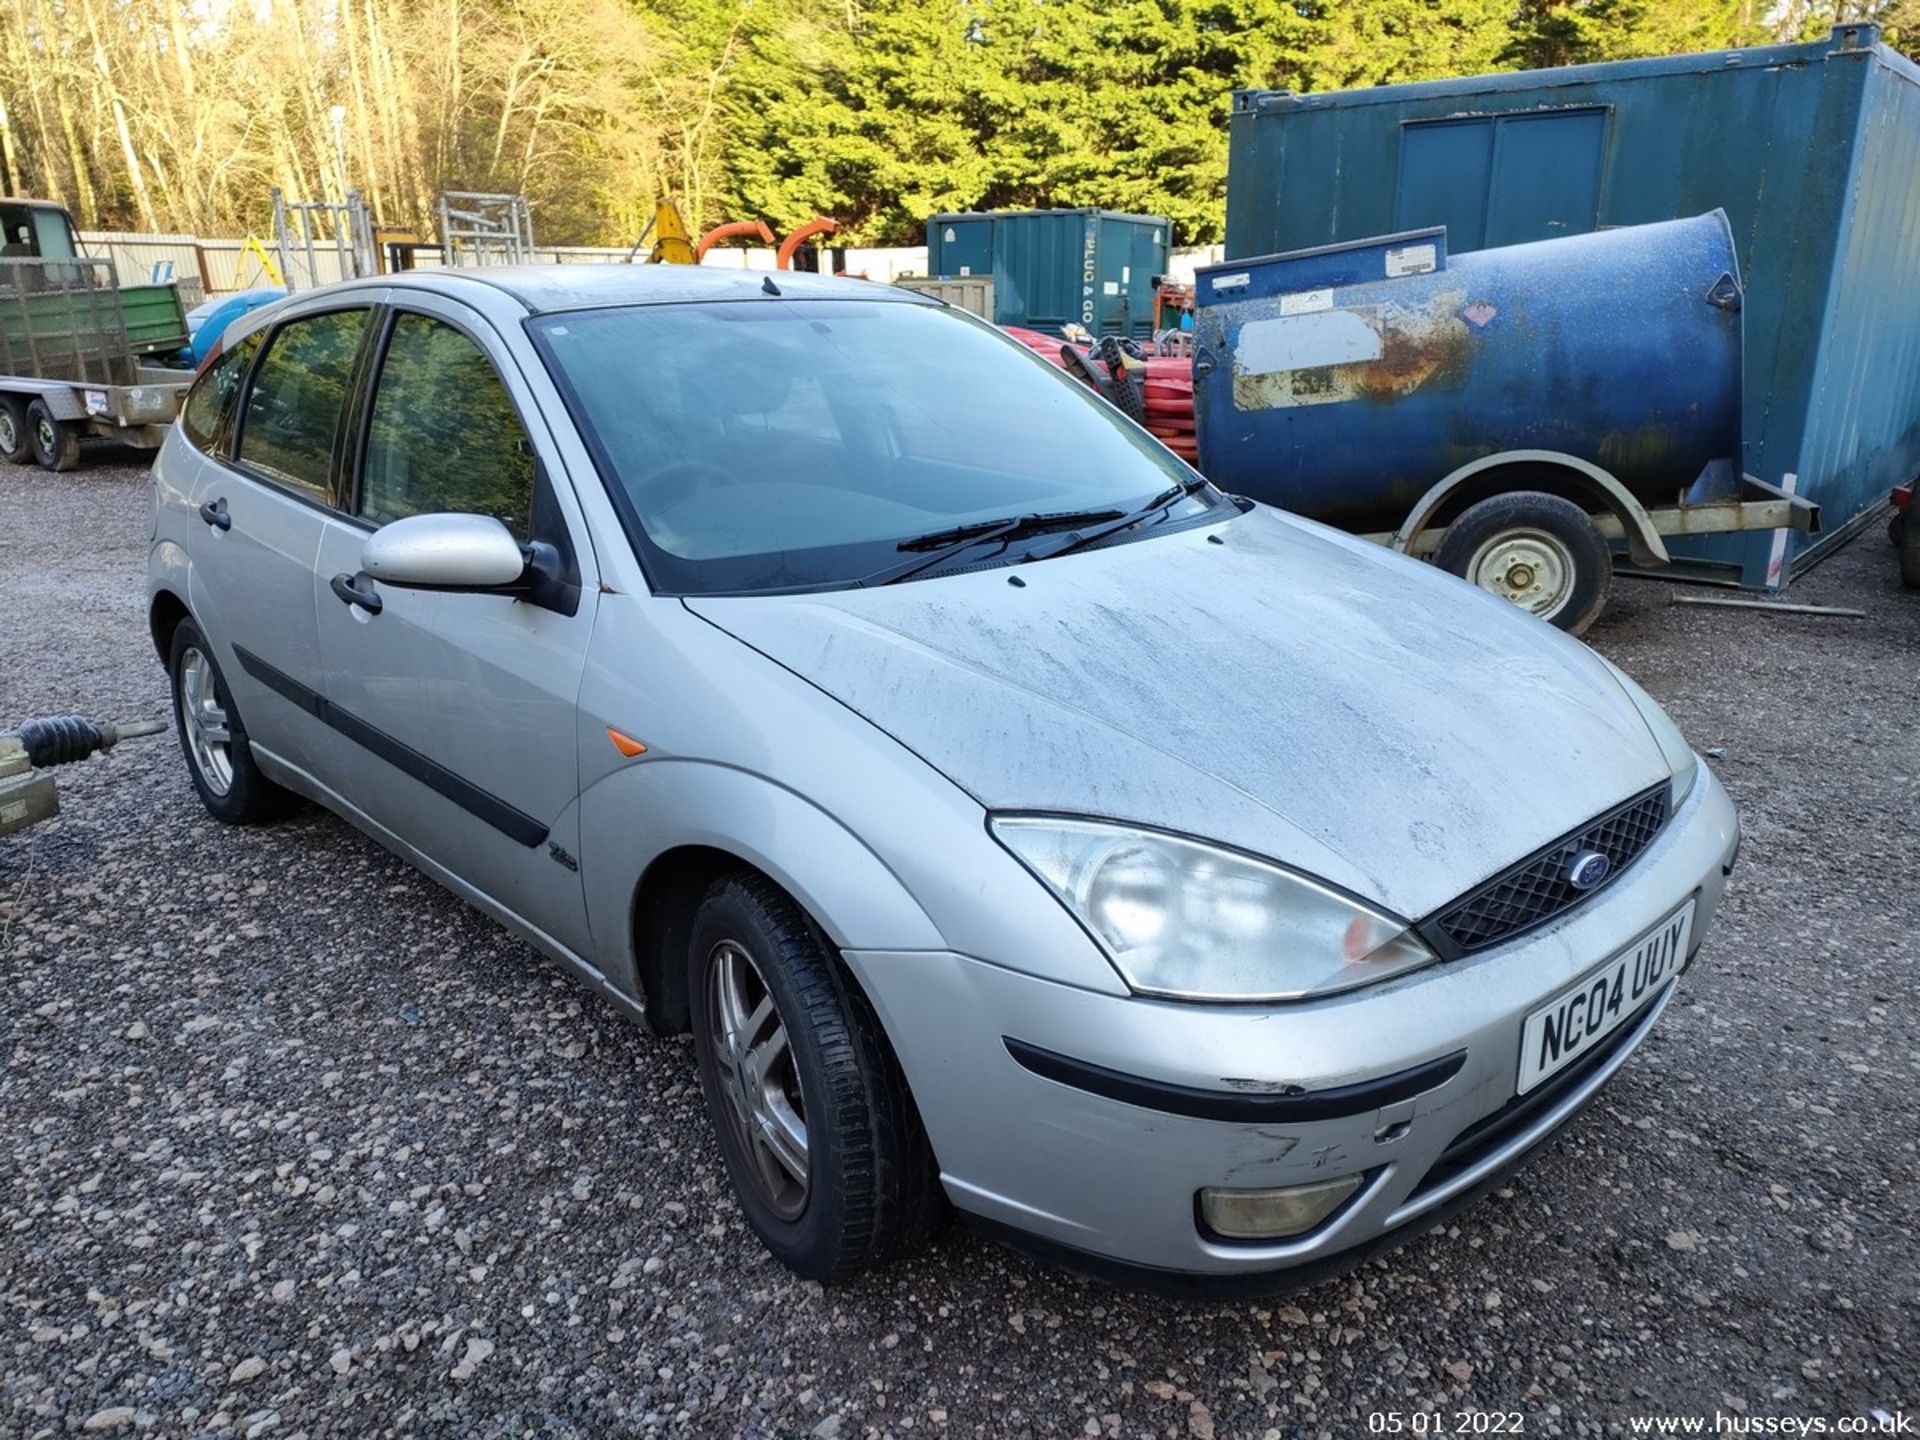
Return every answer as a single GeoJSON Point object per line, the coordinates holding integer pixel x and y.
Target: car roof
{"type": "Point", "coordinates": [547, 288]}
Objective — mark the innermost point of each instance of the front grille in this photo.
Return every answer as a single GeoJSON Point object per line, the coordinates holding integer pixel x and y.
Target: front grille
{"type": "Point", "coordinates": [1537, 889]}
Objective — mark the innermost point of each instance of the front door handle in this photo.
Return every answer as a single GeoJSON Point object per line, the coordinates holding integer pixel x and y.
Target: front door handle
{"type": "Point", "coordinates": [214, 512]}
{"type": "Point", "coordinates": [348, 589]}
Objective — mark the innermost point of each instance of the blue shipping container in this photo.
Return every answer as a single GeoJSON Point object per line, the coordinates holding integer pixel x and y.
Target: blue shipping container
{"type": "Point", "coordinates": [1092, 268]}
{"type": "Point", "coordinates": [1813, 152]}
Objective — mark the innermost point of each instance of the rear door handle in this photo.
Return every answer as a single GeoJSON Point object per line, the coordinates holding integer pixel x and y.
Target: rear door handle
{"type": "Point", "coordinates": [214, 512]}
{"type": "Point", "coordinates": [348, 589]}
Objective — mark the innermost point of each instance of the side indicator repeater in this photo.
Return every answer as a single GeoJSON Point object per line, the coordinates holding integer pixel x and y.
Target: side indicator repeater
{"type": "Point", "coordinates": [625, 744]}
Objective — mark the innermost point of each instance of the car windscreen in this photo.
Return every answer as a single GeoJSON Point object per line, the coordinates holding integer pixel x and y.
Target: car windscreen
{"type": "Point", "coordinates": [794, 444]}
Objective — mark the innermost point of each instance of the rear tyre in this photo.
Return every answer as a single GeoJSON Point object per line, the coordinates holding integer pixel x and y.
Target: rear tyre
{"type": "Point", "coordinates": [820, 1136]}
{"type": "Point", "coordinates": [219, 760]}
{"type": "Point", "coordinates": [1910, 551]}
{"type": "Point", "coordinates": [1537, 550]}
{"type": "Point", "coordinates": [56, 444]}
{"type": "Point", "coordinates": [15, 447]}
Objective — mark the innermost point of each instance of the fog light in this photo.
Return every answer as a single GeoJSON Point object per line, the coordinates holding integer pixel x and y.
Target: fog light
{"type": "Point", "coordinates": [1274, 1214]}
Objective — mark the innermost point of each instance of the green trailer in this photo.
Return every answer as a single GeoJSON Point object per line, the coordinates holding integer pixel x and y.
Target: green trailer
{"type": "Point", "coordinates": [79, 354]}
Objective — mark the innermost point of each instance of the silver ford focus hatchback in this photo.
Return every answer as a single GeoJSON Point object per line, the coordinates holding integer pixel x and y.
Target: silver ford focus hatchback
{"type": "Point", "coordinates": [1178, 887]}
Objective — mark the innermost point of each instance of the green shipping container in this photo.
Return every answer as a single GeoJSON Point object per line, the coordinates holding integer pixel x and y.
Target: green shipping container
{"type": "Point", "coordinates": [1051, 268]}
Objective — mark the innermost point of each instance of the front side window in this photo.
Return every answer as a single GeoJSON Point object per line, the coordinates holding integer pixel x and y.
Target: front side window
{"type": "Point", "coordinates": [293, 407]}
{"type": "Point", "coordinates": [782, 444]}
{"type": "Point", "coordinates": [207, 415]}
{"type": "Point", "coordinates": [444, 434]}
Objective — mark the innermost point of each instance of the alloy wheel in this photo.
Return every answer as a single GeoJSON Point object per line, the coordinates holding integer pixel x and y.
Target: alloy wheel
{"type": "Point", "coordinates": [753, 1061]}
{"type": "Point", "coordinates": [209, 740]}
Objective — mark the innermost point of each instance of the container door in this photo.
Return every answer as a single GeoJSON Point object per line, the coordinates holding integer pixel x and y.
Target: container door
{"type": "Point", "coordinates": [1445, 166]}
{"type": "Point", "coordinates": [1108, 255]}
{"type": "Point", "coordinates": [966, 248]}
{"type": "Point", "coordinates": [1546, 175]}
{"type": "Point", "coordinates": [1149, 247]}
{"type": "Point", "coordinates": [1502, 180]}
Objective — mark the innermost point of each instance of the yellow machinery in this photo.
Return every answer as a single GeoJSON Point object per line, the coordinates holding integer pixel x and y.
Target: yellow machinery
{"type": "Point", "coordinates": [672, 241]}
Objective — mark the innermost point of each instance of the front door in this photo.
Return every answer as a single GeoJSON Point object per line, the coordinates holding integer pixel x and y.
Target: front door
{"type": "Point", "coordinates": [265, 510]}
{"type": "Point", "coordinates": [454, 713]}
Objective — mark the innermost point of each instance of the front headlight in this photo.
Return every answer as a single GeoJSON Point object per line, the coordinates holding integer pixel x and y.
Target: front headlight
{"type": "Point", "coordinates": [1679, 755]}
{"type": "Point", "coordinates": [1188, 920]}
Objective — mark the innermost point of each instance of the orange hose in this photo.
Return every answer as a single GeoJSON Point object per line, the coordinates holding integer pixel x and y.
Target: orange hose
{"type": "Point", "coordinates": [729, 231]}
{"type": "Point", "coordinates": [799, 237]}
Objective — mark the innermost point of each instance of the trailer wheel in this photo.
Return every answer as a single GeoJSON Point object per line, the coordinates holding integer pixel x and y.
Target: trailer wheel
{"type": "Point", "coordinates": [16, 443]}
{"type": "Point", "coordinates": [56, 444]}
{"type": "Point", "coordinates": [1537, 550]}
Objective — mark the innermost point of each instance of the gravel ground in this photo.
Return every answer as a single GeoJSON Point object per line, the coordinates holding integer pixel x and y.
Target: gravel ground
{"type": "Point", "coordinates": [295, 1142]}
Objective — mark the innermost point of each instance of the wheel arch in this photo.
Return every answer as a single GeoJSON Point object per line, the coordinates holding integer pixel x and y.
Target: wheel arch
{"type": "Point", "coordinates": [665, 899]}
{"type": "Point", "coordinates": [702, 820]}
{"type": "Point", "coordinates": [165, 611]}
{"type": "Point", "coordinates": [1579, 480]}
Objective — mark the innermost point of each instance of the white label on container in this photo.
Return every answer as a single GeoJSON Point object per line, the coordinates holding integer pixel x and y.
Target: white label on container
{"type": "Point", "coordinates": [1305, 302]}
{"type": "Point", "coordinates": [965, 270]}
{"type": "Point", "coordinates": [1112, 287]}
{"type": "Point", "coordinates": [1232, 282]}
{"type": "Point", "coordinates": [948, 235]}
{"type": "Point", "coordinates": [1305, 342]}
{"type": "Point", "coordinates": [1411, 260]}
{"type": "Point", "coordinates": [1126, 274]}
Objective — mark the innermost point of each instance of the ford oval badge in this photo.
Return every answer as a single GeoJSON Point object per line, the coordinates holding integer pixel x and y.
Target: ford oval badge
{"type": "Point", "coordinates": [1587, 869]}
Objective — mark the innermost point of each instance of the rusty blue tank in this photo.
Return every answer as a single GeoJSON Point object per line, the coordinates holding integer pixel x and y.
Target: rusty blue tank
{"type": "Point", "coordinates": [1345, 380]}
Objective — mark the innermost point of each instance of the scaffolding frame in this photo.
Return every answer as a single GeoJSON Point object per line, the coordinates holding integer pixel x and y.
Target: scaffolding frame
{"type": "Point", "coordinates": [478, 228]}
{"type": "Point", "coordinates": [303, 230]}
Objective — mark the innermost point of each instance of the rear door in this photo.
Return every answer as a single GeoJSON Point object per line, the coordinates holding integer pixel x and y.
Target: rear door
{"type": "Point", "coordinates": [261, 506]}
{"type": "Point", "coordinates": [454, 714]}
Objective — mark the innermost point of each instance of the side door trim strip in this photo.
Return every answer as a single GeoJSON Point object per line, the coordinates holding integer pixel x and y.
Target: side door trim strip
{"type": "Point", "coordinates": [515, 824]}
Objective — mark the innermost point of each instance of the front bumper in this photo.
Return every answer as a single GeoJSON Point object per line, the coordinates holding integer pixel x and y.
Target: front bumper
{"type": "Point", "coordinates": [1115, 1179]}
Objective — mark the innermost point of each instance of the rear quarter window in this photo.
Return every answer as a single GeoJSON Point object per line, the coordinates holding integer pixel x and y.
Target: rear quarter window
{"type": "Point", "coordinates": [207, 416]}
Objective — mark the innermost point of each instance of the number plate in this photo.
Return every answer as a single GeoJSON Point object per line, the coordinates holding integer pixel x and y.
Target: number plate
{"type": "Point", "coordinates": [1585, 1013]}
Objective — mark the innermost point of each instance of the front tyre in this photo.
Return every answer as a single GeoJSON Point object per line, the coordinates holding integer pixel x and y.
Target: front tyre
{"type": "Point", "coordinates": [219, 760]}
{"type": "Point", "coordinates": [1537, 550]}
{"type": "Point", "coordinates": [819, 1133]}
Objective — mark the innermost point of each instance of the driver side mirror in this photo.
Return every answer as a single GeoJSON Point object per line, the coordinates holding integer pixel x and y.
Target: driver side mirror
{"type": "Point", "coordinates": [445, 552]}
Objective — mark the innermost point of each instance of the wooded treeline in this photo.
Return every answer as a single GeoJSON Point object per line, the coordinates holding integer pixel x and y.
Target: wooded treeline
{"type": "Point", "coordinates": [180, 115]}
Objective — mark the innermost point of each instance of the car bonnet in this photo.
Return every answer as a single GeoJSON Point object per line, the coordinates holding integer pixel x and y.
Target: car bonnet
{"type": "Point", "coordinates": [1267, 684]}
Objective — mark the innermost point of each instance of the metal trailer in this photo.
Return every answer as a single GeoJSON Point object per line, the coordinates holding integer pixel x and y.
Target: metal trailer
{"type": "Point", "coordinates": [1054, 268]}
{"type": "Point", "coordinates": [79, 354]}
{"type": "Point", "coordinates": [1510, 412]}
{"type": "Point", "coordinates": [1810, 150]}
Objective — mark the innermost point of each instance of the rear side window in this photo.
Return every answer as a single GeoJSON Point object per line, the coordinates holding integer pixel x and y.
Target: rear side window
{"type": "Point", "coordinates": [293, 407]}
{"type": "Point", "coordinates": [444, 434]}
{"type": "Point", "coordinates": [207, 417]}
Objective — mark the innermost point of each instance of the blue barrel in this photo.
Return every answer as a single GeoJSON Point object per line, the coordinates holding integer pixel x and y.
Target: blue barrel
{"type": "Point", "coordinates": [1342, 382]}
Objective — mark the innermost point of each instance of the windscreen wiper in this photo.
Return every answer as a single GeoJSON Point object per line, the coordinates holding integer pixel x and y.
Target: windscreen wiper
{"type": "Point", "coordinates": [1167, 497]}
{"type": "Point", "coordinates": [945, 544]}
